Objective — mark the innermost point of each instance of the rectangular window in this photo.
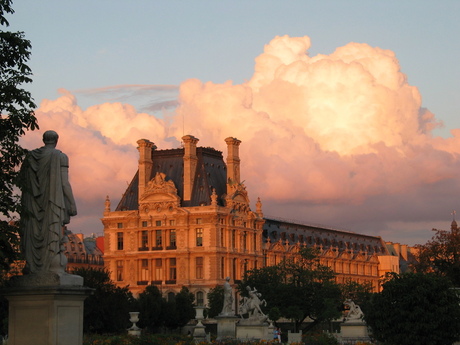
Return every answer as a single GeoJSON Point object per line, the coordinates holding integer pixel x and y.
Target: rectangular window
{"type": "Point", "coordinates": [233, 239]}
{"type": "Point", "coordinates": [199, 220]}
{"type": "Point", "coordinates": [172, 222]}
{"type": "Point", "coordinates": [254, 242]}
{"type": "Point", "coordinates": [158, 223]}
{"type": "Point", "coordinates": [158, 238]}
{"type": "Point", "coordinates": [172, 269]}
{"type": "Point", "coordinates": [199, 267]}
{"type": "Point", "coordinates": [119, 241]}
{"type": "Point", "coordinates": [244, 240]}
{"type": "Point", "coordinates": [199, 237]}
{"type": "Point", "coordinates": [158, 270]}
{"type": "Point", "coordinates": [120, 225]}
{"type": "Point", "coordinates": [172, 238]}
{"type": "Point", "coordinates": [144, 270]}
{"type": "Point", "coordinates": [119, 270]}
{"type": "Point", "coordinates": [144, 223]}
{"type": "Point", "coordinates": [144, 239]}
{"type": "Point", "coordinates": [222, 268]}
{"type": "Point", "coordinates": [222, 238]}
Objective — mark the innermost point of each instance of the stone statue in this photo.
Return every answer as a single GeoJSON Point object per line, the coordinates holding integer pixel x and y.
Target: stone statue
{"type": "Point", "coordinates": [228, 299]}
{"type": "Point", "coordinates": [355, 313]}
{"type": "Point", "coordinates": [47, 205]}
{"type": "Point", "coordinates": [251, 305]}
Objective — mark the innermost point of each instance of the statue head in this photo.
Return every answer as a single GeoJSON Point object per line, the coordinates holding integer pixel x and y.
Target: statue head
{"type": "Point", "coordinates": [50, 137]}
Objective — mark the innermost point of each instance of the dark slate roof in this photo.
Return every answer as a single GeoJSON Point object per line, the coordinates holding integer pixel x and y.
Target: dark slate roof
{"type": "Point", "coordinates": [210, 173]}
{"type": "Point", "coordinates": [296, 232]}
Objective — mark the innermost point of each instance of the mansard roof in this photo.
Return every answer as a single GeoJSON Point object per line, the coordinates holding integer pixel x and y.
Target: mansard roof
{"type": "Point", "coordinates": [210, 174]}
{"type": "Point", "coordinates": [323, 237]}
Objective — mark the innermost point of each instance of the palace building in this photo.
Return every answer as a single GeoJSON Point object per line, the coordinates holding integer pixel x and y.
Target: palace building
{"type": "Point", "coordinates": [185, 220]}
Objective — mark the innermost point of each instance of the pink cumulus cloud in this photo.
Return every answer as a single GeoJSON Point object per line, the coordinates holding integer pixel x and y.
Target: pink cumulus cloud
{"type": "Point", "coordinates": [339, 139]}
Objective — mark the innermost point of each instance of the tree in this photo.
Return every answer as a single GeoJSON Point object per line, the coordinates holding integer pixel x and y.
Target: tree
{"type": "Point", "coordinates": [151, 306]}
{"type": "Point", "coordinates": [415, 308]}
{"type": "Point", "coordinates": [16, 116]}
{"type": "Point", "coordinates": [299, 287]}
{"type": "Point", "coordinates": [107, 310]}
{"type": "Point", "coordinates": [156, 312]}
{"type": "Point", "coordinates": [441, 255]}
{"type": "Point", "coordinates": [179, 311]}
{"type": "Point", "coordinates": [215, 301]}
{"type": "Point", "coordinates": [357, 292]}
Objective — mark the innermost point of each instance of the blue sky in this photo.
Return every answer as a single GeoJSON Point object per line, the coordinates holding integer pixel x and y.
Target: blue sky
{"type": "Point", "coordinates": [139, 53]}
{"type": "Point", "coordinates": [81, 45]}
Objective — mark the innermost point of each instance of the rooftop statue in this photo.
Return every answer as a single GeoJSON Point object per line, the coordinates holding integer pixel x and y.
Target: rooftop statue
{"type": "Point", "coordinates": [47, 205]}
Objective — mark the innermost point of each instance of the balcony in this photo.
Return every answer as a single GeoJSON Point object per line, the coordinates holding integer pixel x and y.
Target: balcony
{"type": "Point", "coordinates": [172, 247]}
{"type": "Point", "coordinates": [157, 248]}
{"type": "Point", "coordinates": [170, 282]}
{"type": "Point", "coordinates": [143, 282]}
{"type": "Point", "coordinates": [143, 249]}
{"type": "Point", "coordinates": [156, 282]}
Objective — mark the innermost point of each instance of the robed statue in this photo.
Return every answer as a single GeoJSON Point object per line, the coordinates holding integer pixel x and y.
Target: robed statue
{"type": "Point", "coordinates": [47, 205]}
{"type": "Point", "coordinates": [227, 309]}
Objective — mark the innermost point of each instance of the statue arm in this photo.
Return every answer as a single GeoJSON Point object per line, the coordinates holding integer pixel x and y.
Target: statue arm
{"type": "Point", "coordinates": [71, 207]}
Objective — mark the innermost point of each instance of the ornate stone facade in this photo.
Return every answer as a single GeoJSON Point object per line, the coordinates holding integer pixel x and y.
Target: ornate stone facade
{"type": "Point", "coordinates": [185, 220]}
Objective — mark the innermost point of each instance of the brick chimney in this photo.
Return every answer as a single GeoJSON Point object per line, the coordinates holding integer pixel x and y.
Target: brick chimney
{"type": "Point", "coordinates": [145, 163]}
{"type": "Point", "coordinates": [190, 163]}
{"type": "Point", "coordinates": [233, 161]}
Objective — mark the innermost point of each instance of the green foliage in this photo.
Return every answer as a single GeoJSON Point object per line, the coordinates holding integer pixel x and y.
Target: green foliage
{"type": "Point", "coordinates": [274, 314]}
{"type": "Point", "coordinates": [299, 287]}
{"type": "Point", "coordinates": [151, 305]}
{"type": "Point", "coordinates": [441, 255]}
{"type": "Point", "coordinates": [415, 308]}
{"type": "Point", "coordinates": [180, 310]}
{"type": "Point", "coordinates": [215, 301]}
{"type": "Point", "coordinates": [357, 292]}
{"type": "Point", "coordinates": [16, 116]}
{"type": "Point", "coordinates": [319, 339]}
{"type": "Point", "coordinates": [107, 310]}
{"type": "Point", "coordinates": [156, 312]}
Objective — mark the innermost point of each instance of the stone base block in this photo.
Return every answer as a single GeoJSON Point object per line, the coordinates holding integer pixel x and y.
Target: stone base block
{"type": "Point", "coordinates": [46, 316]}
{"type": "Point", "coordinates": [354, 330]}
{"type": "Point", "coordinates": [226, 327]}
{"type": "Point", "coordinates": [253, 332]}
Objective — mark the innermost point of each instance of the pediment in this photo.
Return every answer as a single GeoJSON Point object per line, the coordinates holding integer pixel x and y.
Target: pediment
{"type": "Point", "coordinates": [158, 189]}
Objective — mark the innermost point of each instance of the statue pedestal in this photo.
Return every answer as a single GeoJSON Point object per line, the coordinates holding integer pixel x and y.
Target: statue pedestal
{"type": "Point", "coordinates": [226, 326]}
{"type": "Point", "coordinates": [354, 330]}
{"type": "Point", "coordinates": [46, 315]}
{"type": "Point", "coordinates": [253, 332]}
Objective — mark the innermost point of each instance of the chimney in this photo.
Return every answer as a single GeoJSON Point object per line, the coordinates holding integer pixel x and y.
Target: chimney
{"type": "Point", "coordinates": [404, 251]}
{"type": "Point", "coordinates": [145, 163]}
{"type": "Point", "coordinates": [233, 162]}
{"type": "Point", "coordinates": [190, 163]}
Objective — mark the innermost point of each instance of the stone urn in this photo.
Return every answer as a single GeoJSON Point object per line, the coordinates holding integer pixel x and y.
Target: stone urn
{"type": "Point", "coordinates": [134, 318]}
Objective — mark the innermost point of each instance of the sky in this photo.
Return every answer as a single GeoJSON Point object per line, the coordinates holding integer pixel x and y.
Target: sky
{"type": "Point", "coordinates": [348, 111]}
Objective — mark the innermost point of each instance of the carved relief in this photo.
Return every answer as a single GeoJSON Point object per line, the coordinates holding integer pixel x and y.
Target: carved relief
{"type": "Point", "coordinates": [159, 184]}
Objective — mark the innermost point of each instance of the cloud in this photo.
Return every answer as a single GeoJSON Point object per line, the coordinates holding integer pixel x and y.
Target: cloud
{"type": "Point", "coordinates": [339, 139]}
{"type": "Point", "coordinates": [101, 144]}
